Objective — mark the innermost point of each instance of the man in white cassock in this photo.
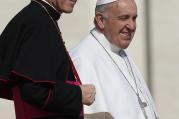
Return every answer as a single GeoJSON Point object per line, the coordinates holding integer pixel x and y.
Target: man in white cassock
{"type": "Point", "coordinates": [101, 58]}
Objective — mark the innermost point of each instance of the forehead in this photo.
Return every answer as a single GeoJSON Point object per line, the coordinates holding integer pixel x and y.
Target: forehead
{"type": "Point", "coordinates": [123, 7]}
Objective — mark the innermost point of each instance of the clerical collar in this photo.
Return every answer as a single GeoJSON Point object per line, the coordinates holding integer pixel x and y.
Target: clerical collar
{"type": "Point", "coordinates": [50, 5]}
{"type": "Point", "coordinates": [52, 11]}
{"type": "Point", "coordinates": [105, 42]}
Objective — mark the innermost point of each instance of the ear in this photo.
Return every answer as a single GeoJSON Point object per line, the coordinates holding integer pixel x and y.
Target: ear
{"type": "Point", "coordinates": [100, 20]}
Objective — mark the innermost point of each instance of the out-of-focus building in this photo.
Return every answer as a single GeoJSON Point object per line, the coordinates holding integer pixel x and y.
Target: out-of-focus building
{"type": "Point", "coordinates": [154, 48]}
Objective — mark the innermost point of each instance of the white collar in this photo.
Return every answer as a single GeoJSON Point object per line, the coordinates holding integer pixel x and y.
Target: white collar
{"type": "Point", "coordinates": [50, 5]}
{"type": "Point", "coordinates": [105, 42]}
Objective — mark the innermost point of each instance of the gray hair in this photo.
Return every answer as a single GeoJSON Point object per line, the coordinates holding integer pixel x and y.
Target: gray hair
{"type": "Point", "coordinates": [100, 9]}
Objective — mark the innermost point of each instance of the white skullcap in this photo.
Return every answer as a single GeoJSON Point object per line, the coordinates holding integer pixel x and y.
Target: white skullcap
{"type": "Point", "coordinates": [101, 2]}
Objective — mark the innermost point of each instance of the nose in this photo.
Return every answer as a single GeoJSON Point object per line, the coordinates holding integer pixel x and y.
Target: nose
{"type": "Point", "coordinates": [131, 24]}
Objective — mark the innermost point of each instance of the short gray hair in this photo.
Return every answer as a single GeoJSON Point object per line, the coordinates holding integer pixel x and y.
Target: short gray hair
{"type": "Point", "coordinates": [100, 9]}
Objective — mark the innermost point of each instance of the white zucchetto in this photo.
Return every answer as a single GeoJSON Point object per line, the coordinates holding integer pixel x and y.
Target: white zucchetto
{"type": "Point", "coordinates": [101, 2]}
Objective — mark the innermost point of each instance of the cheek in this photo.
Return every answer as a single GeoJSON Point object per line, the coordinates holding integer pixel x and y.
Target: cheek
{"type": "Point", "coordinates": [63, 5]}
{"type": "Point", "coordinates": [116, 28]}
{"type": "Point", "coordinates": [59, 5]}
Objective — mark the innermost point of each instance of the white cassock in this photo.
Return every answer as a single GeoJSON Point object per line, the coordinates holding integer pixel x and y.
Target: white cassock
{"type": "Point", "coordinates": [98, 62]}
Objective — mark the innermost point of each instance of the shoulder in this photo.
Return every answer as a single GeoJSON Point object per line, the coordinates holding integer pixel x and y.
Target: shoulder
{"type": "Point", "coordinates": [31, 15]}
{"type": "Point", "coordinates": [87, 47]}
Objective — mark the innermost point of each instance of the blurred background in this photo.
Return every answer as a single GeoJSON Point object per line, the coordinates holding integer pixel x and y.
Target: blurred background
{"type": "Point", "coordinates": [155, 46]}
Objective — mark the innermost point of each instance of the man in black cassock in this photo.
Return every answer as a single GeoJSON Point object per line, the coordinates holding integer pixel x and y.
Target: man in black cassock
{"type": "Point", "coordinates": [35, 68]}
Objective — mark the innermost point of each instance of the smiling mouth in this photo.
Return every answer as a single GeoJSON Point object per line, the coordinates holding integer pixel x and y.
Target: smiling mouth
{"type": "Point", "coordinates": [126, 35]}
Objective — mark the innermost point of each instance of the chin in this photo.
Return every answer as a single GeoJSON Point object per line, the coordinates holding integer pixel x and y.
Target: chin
{"type": "Point", "coordinates": [124, 46]}
{"type": "Point", "coordinates": [68, 10]}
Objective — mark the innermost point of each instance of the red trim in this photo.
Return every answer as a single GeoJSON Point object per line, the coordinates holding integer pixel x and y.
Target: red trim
{"type": "Point", "coordinates": [74, 71]}
{"type": "Point", "coordinates": [48, 98]}
{"type": "Point", "coordinates": [5, 81]}
{"type": "Point", "coordinates": [35, 81]}
{"type": "Point", "coordinates": [75, 74]}
{"type": "Point", "coordinates": [78, 82]}
{"type": "Point", "coordinates": [26, 111]}
{"type": "Point", "coordinates": [73, 82]}
{"type": "Point", "coordinates": [82, 111]}
{"type": "Point", "coordinates": [5, 91]}
{"type": "Point", "coordinates": [29, 78]}
{"type": "Point", "coordinates": [73, 67]}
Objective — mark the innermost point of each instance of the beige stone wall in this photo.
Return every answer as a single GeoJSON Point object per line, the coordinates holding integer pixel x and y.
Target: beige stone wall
{"type": "Point", "coordinates": [165, 40]}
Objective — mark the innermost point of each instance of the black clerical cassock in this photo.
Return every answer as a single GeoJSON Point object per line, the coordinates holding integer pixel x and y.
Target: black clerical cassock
{"type": "Point", "coordinates": [35, 68]}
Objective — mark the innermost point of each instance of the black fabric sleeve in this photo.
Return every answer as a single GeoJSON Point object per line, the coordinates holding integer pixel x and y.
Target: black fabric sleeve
{"type": "Point", "coordinates": [62, 98]}
{"type": "Point", "coordinates": [41, 57]}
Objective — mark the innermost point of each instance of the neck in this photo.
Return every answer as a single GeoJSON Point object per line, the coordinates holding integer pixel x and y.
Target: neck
{"type": "Point", "coordinates": [50, 2]}
{"type": "Point", "coordinates": [115, 48]}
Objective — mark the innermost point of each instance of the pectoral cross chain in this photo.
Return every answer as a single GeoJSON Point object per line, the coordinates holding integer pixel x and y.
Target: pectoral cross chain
{"type": "Point", "coordinates": [142, 106]}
